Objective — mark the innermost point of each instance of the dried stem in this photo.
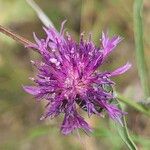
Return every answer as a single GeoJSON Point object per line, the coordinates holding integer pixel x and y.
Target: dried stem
{"type": "Point", "coordinates": [14, 36]}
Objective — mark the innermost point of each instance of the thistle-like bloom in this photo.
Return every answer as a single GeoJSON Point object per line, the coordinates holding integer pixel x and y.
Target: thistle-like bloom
{"type": "Point", "coordinates": [69, 78]}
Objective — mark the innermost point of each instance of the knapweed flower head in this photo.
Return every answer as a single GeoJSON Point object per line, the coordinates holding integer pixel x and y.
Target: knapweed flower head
{"type": "Point", "coordinates": [69, 78]}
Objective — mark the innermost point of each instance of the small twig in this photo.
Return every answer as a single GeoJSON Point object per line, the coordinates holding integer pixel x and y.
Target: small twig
{"type": "Point", "coordinates": [14, 36]}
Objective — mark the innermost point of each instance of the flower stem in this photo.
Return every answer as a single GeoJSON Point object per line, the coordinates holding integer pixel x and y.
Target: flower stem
{"type": "Point", "coordinates": [138, 35]}
{"type": "Point", "coordinates": [124, 133]}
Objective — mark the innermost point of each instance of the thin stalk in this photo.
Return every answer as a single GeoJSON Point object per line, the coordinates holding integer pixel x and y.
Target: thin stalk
{"type": "Point", "coordinates": [14, 36]}
{"type": "Point", "coordinates": [138, 35]}
{"type": "Point", "coordinates": [124, 133]}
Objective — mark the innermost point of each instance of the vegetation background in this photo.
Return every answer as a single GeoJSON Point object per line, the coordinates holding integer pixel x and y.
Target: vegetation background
{"type": "Point", "coordinates": [20, 127]}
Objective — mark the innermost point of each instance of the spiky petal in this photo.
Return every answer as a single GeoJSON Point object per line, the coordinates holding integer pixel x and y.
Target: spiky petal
{"type": "Point", "coordinates": [68, 78]}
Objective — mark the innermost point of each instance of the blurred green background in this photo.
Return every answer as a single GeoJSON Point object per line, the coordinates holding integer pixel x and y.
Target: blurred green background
{"type": "Point", "coordinates": [20, 127]}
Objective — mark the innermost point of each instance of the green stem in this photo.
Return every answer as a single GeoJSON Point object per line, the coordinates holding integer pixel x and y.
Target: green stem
{"type": "Point", "coordinates": [124, 133]}
{"type": "Point", "coordinates": [133, 104]}
{"type": "Point", "coordinates": [138, 35]}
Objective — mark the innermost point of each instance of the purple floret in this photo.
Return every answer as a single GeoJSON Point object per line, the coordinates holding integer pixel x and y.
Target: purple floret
{"type": "Point", "coordinates": [68, 77]}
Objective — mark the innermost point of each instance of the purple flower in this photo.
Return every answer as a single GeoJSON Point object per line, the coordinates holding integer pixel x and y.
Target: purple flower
{"type": "Point", "coordinates": [69, 78]}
